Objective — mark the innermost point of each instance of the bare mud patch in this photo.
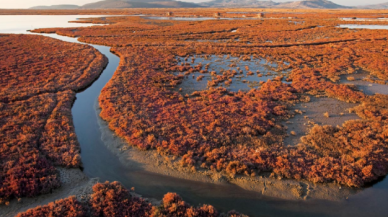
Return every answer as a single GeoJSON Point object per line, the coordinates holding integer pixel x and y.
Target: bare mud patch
{"type": "Point", "coordinates": [321, 111]}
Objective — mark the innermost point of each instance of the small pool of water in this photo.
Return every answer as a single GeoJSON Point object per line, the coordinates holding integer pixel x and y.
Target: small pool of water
{"type": "Point", "coordinates": [355, 26]}
{"type": "Point", "coordinates": [368, 88]}
{"type": "Point", "coordinates": [248, 73]}
{"type": "Point", "coordinates": [364, 19]}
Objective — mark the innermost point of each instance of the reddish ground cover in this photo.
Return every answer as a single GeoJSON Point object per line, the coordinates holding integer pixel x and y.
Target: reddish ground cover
{"type": "Point", "coordinates": [216, 129]}
{"type": "Point", "coordinates": [39, 77]}
{"type": "Point", "coordinates": [113, 200]}
{"type": "Point", "coordinates": [237, 132]}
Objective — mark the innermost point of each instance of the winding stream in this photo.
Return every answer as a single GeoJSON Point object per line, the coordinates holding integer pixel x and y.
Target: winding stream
{"type": "Point", "coordinates": [98, 161]}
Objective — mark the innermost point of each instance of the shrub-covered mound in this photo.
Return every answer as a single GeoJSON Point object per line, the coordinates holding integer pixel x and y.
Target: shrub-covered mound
{"type": "Point", "coordinates": [39, 78]}
{"type": "Point", "coordinates": [113, 200]}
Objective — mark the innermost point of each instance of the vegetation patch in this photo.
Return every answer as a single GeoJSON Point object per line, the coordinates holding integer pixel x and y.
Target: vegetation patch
{"type": "Point", "coordinates": [39, 79]}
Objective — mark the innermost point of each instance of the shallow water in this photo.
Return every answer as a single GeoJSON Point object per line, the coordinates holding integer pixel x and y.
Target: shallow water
{"type": "Point", "coordinates": [355, 26]}
{"type": "Point", "coordinates": [241, 81]}
{"type": "Point", "coordinates": [364, 19]}
{"type": "Point", "coordinates": [98, 161]}
{"type": "Point", "coordinates": [18, 24]}
{"type": "Point", "coordinates": [366, 87]}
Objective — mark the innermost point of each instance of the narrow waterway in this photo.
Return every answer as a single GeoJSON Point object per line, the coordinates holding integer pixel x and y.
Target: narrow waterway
{"type": "Point", "coordinates": [98, 161]}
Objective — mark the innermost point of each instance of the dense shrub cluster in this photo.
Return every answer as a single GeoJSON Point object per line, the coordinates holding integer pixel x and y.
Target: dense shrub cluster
{"type": "Point", "coordinates": [113, 200]}
{"type": "Point", "coordinates": [69, 207]}
{"type": "Point", "coordinates": [39, 77]}
{"type": "Point", "coordinates": [374, 108]}
{"type": "Point", "coordinates": [33, 65]}
{"type": "Point", "coordinates": [360, 147]}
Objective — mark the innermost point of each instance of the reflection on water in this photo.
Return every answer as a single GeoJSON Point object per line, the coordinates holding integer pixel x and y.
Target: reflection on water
{"type": "Point", "coordinates": [355, 26]}
{"type": "Point", "coordinates": [98, 161]}
{"type": "Point", "coordinates": [247, 74]}
{"type": "Point", "coordinates": [18, 24]}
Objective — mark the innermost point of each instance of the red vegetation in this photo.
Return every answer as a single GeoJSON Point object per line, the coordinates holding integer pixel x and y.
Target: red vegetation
{"type": "Point", "coordinates": [113, 200]}
{"type": "Point", "coordinates": [374, 108]}
{"type": "Point", "coordinates": [69, 207]}
{"type": "Point", "coordinates": [39, 77]}
{"type": "Point", "coordinates": [234, 132]}
{"type": "Point", "coordinates": [357, 152]}
{"type": "Point", "coordinates": [173, 205]}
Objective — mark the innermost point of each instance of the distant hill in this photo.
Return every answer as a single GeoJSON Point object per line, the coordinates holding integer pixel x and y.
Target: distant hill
{"type": "Point", "coordinates": [125, 4]}
{"type": "Point", "coordinates": [304, 4]}
{"type": "Point", "coordinates": [240, 3]}
{"type": "Point", "coordinates": [56, 7]}
{"type": "Point", "coordinates": [318, 4]}
{"type": "Point", "coordinates": [140, 4]}
{"type": "Point", "coordinates": [270, 4]}
{"type": "Point", "coordinates": [375, 6]}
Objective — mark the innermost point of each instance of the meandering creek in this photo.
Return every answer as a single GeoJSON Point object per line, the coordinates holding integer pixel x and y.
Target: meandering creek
{"type": "Point", "coordinates": [99, 161]}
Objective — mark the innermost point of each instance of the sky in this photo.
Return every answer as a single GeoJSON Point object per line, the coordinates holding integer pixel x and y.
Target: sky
{"type": "Point", "coordinates": [31, 3]}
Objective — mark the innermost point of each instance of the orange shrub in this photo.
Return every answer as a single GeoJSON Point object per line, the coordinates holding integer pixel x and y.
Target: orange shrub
{"type": "Point", "coordinates": [39, 77]}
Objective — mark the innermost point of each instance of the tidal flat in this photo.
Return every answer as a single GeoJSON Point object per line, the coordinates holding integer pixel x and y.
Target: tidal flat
{"type": "Point", "coordinates": [282, 128]}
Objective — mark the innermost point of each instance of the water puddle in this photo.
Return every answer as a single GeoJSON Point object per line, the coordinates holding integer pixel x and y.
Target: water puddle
{"type": "Point", "coordinates": [355, 26]}
{"type": "Point", "coordinates": [366, 87]}
{"type": "Point", "coordinates": [233, 73]}
{"type": "Point", "coordinates": [364, 19]}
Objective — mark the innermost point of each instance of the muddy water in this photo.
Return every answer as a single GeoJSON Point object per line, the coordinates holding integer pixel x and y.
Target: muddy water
{"type": "Point", "coordinates": [99, 162]}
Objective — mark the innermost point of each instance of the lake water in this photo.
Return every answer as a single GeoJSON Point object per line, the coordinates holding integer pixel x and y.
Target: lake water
{"type": "Point", "coordinates": [99, 162]}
